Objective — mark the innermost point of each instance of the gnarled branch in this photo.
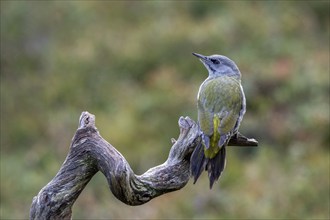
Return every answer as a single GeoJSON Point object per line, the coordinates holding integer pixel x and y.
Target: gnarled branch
{"type": "Point", "coordinates": [90, 153]}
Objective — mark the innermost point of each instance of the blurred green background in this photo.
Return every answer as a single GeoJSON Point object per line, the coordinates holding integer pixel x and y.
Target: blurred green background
{"type": "Point", "coordinates": [130, 64]}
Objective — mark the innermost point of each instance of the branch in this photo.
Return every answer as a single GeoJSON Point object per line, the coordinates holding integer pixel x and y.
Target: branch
{"type": "Point", "coordinates": [241, 141]}
{"type": "Point", "coordinates": [90, 153]}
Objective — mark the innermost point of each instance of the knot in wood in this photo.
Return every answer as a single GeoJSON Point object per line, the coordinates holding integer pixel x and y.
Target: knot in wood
{"type": "Point", "coordinates": [86, 120]}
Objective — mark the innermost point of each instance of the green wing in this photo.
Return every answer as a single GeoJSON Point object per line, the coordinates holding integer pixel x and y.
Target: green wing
{"type": "Point", "coordinates": [219, 105]}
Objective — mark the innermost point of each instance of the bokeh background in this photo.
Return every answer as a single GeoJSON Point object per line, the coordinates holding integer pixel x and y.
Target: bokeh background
{"type": "Point", "coordinates": [130, 64]}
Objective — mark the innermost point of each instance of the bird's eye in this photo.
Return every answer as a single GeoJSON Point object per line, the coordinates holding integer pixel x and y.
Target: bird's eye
{"type": "Point", "coordinates": [215, 61]}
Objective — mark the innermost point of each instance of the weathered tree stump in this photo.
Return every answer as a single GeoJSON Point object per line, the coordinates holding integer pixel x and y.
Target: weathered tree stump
{"type": "Point", "coordinates": [90, 153]}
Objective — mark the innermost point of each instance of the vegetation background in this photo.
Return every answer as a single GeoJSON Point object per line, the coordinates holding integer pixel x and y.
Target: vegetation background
{"type": "Point", "coordinates": [130, 64]}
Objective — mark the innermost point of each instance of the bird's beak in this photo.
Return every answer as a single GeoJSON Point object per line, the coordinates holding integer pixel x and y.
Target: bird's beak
{"type": "Point", "coordinates": [200, 56]}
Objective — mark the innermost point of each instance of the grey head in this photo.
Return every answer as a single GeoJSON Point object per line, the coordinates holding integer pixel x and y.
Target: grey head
{"type": "Point", "coordinates": [219, 65]}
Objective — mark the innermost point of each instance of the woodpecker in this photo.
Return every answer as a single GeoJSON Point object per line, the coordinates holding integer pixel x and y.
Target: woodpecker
{"type": "Point", "coordinates": [221, 106]}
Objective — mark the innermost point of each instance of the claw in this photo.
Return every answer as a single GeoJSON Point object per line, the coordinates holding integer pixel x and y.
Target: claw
{"type": "Point", "coordinates": [206, 141]}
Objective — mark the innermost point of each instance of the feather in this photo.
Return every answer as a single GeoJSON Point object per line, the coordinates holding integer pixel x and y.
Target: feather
{"type": "Point", "coordinates": [216, 165]}
{"type": "Point", "coordinates": [197, 161]}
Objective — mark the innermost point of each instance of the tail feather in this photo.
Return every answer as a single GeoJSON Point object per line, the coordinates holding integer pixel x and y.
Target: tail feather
{"type": "Point", "coordinates": [216, 165]}
{"type": "Point", "coordinates": [197, 161]}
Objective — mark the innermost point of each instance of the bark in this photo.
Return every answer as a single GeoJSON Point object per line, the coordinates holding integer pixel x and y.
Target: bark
{"type": "Point", "coordinates": [90, 153]}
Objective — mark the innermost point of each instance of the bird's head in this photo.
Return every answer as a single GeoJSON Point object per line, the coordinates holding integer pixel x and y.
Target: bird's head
{"type": "Point", "coordinates": [218, 65]}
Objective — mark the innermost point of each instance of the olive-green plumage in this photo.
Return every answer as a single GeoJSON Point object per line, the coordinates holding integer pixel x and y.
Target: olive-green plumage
{"type": "Point", "coordinates": [221, 106]}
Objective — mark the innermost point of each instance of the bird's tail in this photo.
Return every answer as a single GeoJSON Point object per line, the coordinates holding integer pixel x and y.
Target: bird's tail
{"type": "Point", "coordinates": [197, 161]}
{"type": "Point", "coordinates": [214, 166]}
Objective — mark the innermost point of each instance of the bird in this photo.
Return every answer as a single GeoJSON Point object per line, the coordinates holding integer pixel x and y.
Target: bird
{"type": "Point", "coordinates": [221, 106]}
